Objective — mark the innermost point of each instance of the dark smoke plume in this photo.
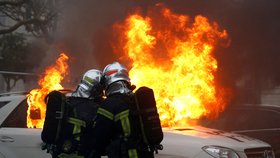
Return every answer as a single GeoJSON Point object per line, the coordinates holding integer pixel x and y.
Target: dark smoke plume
{"type": "Point", "coordinates": [248, 66]}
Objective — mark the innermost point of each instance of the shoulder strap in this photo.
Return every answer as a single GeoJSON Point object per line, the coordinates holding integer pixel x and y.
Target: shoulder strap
{"type": "Point", "coordinates": [59, 115]}
{"type": "Point", "coordinates": [141, 120]}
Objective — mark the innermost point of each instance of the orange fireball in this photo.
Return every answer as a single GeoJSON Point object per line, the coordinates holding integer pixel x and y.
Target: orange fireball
{"type": "Point", "coordinates": [53, 75]}
{"type": "Point", "coordinates": [174, 56]}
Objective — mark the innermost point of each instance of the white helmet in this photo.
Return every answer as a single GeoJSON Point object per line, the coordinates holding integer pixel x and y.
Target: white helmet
{"type": "Point", "coordinates": [90, 85]}
{"type": "Point", "coordinates": [115, 72]}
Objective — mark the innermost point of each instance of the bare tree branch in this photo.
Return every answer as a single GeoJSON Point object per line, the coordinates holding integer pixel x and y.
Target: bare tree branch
{"type": "Point", "coordinates": [14, 3]}
{"type": "Point", "coordinates": [19, 24]}
{"type": "Point", "coordinates": [10, 13]}
{"type": "Point", "coordinates": [38, 16]}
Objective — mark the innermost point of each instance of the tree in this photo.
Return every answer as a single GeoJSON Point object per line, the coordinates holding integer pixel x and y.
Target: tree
{"type": "Point", "coordinates": [36, 16]}
{"type": "Point", "coordinates": [14, 50]}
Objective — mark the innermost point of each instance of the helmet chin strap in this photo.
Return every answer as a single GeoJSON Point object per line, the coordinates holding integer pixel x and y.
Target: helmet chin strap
{"type": "Point", "coordinates": [118, 87]}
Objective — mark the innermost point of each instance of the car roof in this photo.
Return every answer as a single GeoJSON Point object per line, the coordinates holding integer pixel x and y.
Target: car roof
{"type": "Point", "coordinates": [275, 108]}
{"type": "Point", "coordinates": [13, 93]}
{"type": "Point", "coordinates": [263, 105]}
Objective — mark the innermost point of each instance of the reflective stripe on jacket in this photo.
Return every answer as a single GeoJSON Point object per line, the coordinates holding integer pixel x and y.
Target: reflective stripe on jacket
{"type": "Point", "coordinates": [113, 123]}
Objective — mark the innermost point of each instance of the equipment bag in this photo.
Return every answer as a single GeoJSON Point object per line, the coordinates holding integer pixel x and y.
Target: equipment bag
{"type": "Point", "coordinates": [149, 118]}
{"type": "Point", "coordinates": [55, 117]}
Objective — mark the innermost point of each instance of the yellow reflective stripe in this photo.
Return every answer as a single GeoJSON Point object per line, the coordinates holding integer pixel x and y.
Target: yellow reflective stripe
{"type": "Point", "coordinates": [77, 121]}
{"type": "Point", "coordinates": [132, 153]}
{"type": "Point", "coordinates": [123, 117]}
{"type": "Point", "coordinates": [126, 126]}
{"type": "Point", "coordinates": [89, 80]}
{"type": "Point", "coordinates": [77, 125]}
{"type": "Point", "coordinates": [105, 113]}
{"type": "Point", "coordinates": [74, 155]}
{"type": "Point", "coordinates": [77, 130]}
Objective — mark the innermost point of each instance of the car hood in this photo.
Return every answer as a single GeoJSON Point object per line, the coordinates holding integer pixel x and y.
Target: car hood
{"type": "Point", "coordinates": [201, 136]}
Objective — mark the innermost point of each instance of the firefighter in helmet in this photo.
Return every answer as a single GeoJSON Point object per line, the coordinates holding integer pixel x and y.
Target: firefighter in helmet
{"type": "Point", "coordinates": [90, 86]}
{"type": "Point", "coordinates": [113, 132]}
{"type": "Point", "coordinates": [82, 107]}
{"type": "Point", "coordinates": [85, 101]}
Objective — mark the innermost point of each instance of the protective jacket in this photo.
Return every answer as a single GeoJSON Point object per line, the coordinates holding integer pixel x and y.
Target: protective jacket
{"type": "Point", "coordinates": [114, 131]}
{"type": "Point", "coordinates": [79, 122]}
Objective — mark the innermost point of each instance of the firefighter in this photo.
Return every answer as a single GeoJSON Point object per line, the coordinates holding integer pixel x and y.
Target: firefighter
{"type": "Point", "coordinates": [90, 86]}
{"type": "Point", "coordinates": [113, 131]}
{"type": "Point", "coordinates": [82, 105]}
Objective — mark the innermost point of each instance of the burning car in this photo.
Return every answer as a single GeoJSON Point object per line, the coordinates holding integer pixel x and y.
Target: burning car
{"type": "Point", "coordinates": [18, 141]}
{"type": "Point", "coordinates": [169, 53]}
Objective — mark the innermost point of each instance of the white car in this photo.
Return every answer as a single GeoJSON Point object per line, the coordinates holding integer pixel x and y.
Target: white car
{"type": "Point", "coordinates": [17, 141]}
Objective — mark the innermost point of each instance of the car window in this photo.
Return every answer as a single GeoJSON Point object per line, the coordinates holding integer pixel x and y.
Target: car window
{"type": "Point", "coordinates": [245, 119]}
{"type": "Point", "coordinates": [3, 103]}
{"type": "Point", "coordinates": [18, 116]}
{"type": "Point", "coordinates": [264, 118]}
{"type": "Point", "coordinates": [248, 119]}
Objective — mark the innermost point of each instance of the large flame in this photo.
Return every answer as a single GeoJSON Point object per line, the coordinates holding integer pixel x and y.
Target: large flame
{"type": "Point", "coordinates": [53, 75]}
{"type": "Point", "coordinates": [174, 56]}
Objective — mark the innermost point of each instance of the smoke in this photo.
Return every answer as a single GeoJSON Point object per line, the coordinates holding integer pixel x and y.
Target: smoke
{"type": "Point", "coordinates": [249, 65]}
{"type": "Point", "coordinates": [82, 34]}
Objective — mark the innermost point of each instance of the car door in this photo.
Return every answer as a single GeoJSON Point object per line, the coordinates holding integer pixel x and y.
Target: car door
{"type": "Point", "coordinates": [16, 140]}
